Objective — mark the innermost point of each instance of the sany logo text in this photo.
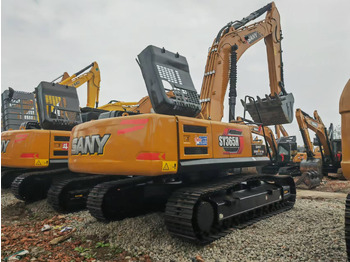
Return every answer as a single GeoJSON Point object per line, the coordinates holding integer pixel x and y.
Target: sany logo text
{"type": "Point", "coordinates": [89, 144]}
{"type": "Point", "coordinates": [4, 144]}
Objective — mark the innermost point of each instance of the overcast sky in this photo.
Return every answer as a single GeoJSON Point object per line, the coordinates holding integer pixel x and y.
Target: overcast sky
{"type": "Point", "coordinates": [42, 39]}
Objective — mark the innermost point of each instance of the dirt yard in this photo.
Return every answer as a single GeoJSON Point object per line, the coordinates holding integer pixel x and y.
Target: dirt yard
{"type": "Point", "coordinates": [65, 238]}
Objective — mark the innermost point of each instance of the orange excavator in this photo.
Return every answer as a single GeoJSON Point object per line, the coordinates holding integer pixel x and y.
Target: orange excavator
{"type": "Point", "coordinates": [32, 157]}
{"type": "Point", "coordinates": [41, 151]}
{"type": "Point", "coordinates": [330, 159]}
{"type": "Point", "coordinates": [178, 156]}
{"type": "Point", "coordinates": [344, 110]}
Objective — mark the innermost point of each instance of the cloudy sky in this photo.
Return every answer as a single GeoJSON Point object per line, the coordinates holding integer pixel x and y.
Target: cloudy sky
{"type": "Point", "coordinates": [42, 39]}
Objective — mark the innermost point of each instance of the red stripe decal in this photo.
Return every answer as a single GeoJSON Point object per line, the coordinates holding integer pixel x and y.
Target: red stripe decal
{"type": "Point", "coordinates": [134, 121]}
{"type": "Point", "coordinates": [150, 156]}
{"type": "Point", "coordinates": [30, 155]}
{"type": "Point", "coordinates": [21, 136]}
{"type": "Point", "coordinates": [22, 139]}
{"type": "Point", "coordinates": [128, 130]}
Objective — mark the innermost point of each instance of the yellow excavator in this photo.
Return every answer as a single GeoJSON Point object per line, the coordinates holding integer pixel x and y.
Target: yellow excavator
{"type": "Point", "coordinates": [30, 157]}
{"type": "Point", "coordinates": [93, 79]}
{"type": "Point", "coordinates": [344, 110]}
{"type": "Point", "coordinates": [330, 159]}
{"type": "Point", "coordinates": [40, 146]}
{"type": "Point", "coordinates": [178, 156]}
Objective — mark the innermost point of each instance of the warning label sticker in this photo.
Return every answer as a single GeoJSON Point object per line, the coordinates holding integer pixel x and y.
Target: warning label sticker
{"type": "Point", "coordinates": [41, 162]}
{"type": "Point", "coordinates": [169, 166]}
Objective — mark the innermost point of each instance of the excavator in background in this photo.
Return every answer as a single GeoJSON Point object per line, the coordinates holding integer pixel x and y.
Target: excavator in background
{"type": "Point", "coordinates": [41, 151]}
{"type": "Point", "coordinates": [17, 107]}
{"type": "Point", "coordinates": [20, 111]}
{"type": "Point", "coordinates": [344, 110]}
{"type": "Point", "coordinates": [309, 166]}
{"type": "Point", "coordinates": [178, 156]}
{"type": "Point", "coordinates": [330, 159]}
{"type": "Point", "coordinates": [279, 129]}
{"type": "Point", "coordinates": [50, 154]}
{"type": "Point", "coordinates": [93, 79]}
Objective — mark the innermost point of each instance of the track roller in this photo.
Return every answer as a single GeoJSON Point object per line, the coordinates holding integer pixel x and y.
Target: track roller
{"type": "Point", "coordinates": [204, 213]}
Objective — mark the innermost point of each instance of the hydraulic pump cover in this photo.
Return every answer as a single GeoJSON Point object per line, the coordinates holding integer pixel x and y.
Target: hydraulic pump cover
{"type": "Point", "coordinates": [168, 82]}
{"type": "Point", "coordinates": [58, 106]}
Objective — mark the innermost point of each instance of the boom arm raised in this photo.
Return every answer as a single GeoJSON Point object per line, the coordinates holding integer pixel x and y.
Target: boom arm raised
{"type": "Point", "coordinates": [232, 41]}
{"type": "Point", "coordinates": [93, 80]}
{"type": "Point", "coordinates": [315, 124]}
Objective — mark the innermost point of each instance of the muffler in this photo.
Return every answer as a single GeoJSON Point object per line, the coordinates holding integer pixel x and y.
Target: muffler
{"type": "Point", "coordinates": [270, 110]}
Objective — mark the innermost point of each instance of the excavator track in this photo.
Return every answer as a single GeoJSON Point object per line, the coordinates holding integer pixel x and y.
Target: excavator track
{"type": "Point", "coordinates": [33, 186]}
{"type": "Point", "coordinates": [347, 225]}
{"type": "Point", "coordinates": [10, 174]}
{"type": "Point", "coordinates": [204, 213]}
{"type": "Point", "coordinates": [116, 200]}
{"type": "Point", "coordinates": [68, 195]}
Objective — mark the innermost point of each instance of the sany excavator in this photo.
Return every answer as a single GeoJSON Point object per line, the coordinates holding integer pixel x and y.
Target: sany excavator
{"type": "Point", "coordinates": [41, 151]}
{"type": "Point", "coordinates": [32, 158]}
{"type": "Point", "coordinates": [330, 159]}
{"type": "Point", "coordinates": [344, 110]}
{"type": "Point", "coordinates": [308, 166]}
{"type": "Point", "coordinates": [93, 79]}
{"type": "Point", "coordinates": [21, 153]}
{"type": "Point", "coordinates": [174, 157]}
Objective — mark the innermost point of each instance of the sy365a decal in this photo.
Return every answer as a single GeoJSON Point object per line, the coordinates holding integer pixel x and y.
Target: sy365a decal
{"type": "Point", "coordinates": [231, 141]}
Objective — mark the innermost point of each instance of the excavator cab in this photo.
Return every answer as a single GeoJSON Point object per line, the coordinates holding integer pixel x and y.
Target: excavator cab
{"type": "Point", "coordinates": [271, 110]}
{"type": "Point", "coordinates": [58, 106]}
{"type": "Point", "coordinates": [17, 107]}
{"type": "Point", "coordinates": [287, 149]}
{"type": "Point", "coordinates": [168, 82]}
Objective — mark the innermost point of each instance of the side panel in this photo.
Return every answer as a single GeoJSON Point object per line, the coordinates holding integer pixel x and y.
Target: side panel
{"type": "Point", "coordinates": [59, 144]}
{"type": "Point", "coordinates": [232, 140]}
{"type": "Point", "coordinates": [134, 145]}
{"type": "Point", "coordinates": [25, 148]}
{"type": "Point", "coordinates": [195, 140]}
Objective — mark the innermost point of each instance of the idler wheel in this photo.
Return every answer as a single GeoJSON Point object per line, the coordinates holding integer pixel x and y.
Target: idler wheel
{"type": "Point", "coordinates": [205, 216]}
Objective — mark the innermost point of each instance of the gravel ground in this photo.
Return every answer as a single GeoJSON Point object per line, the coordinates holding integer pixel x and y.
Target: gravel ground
{"type": "Point", "coordinates": [312, 231]}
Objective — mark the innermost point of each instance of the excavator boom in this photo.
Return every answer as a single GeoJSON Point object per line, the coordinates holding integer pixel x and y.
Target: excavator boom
{"type": "Point", "coordinates": [93, 80]}
{"type": "Point", "coordinates": [221, 67]}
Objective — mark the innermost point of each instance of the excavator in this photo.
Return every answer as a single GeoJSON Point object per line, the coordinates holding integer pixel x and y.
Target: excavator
{"type": "Point", "coordinates": [177, 156]}
{"type": "Point", "coordinates": [344, 110]}
{"type": "Point", "coordinates": [93, 79]}
{"type": "Point", "coordinates": [20, 111]}
{"type": "Point", "coordinates": [330, 159]}
{"type": "Point", "coordinates": [28, 161]}
{"type": "Point", "coordinates": [41, 151]}
{"type": "Point", "coordinates": [309, 166]}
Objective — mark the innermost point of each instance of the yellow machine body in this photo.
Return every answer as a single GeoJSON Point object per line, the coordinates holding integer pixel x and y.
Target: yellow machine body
{"type": "Point", "coordinates": [155, 144]}
{"type": "Point", "coordinates": [33, 148]}
{"type": "Point", "coordinates": [344, 110]}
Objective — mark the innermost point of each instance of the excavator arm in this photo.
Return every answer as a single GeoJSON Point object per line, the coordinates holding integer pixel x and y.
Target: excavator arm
{"type": "Point", "coordinates": [92, 78]}
{"type": "Point", "coordinates": [279, 129]}
{"type": "Point", "coordinates": [229, 45]}
{"type": "Point", "coordinates": [315, 124]}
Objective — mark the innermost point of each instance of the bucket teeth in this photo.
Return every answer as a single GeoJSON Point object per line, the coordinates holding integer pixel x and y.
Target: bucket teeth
{"type": "Point", "coordinates": [271, 110]}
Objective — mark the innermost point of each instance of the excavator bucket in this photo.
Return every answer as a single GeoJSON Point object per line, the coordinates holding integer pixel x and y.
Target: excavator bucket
{"type": "Point", "coordinates": [167, 73]}
{"type": "Point", "coordinates": [312, 175]}
{"type": "Point", "coordinates": [58, 106]}
{"type": "Point", "coordinates": [17, 107]}
{"type": "Point", "coordinates": [268, 111]}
